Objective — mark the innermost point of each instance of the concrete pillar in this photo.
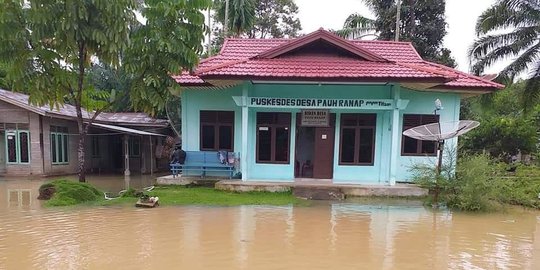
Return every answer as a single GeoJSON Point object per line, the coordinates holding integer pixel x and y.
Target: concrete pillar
{"type": "Point", "coordinates": [396, 133]}
{"type": "Point", "coordinates": [245, 122]}
{"type": "Point", "coordinates": [126, 155]}
{"type": "Point", "coordinates": [151, 156]}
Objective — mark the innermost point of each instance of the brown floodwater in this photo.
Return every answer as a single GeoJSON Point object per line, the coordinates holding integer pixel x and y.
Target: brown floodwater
{"type": "Point", "coordinates": [349, 235]}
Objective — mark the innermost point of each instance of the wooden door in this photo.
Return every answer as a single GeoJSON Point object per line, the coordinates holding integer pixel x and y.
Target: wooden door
{"type": "Point", "coordinates": [323, 164]}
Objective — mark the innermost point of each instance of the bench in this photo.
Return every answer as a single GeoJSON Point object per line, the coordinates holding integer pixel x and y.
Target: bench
{"type": "Point", "coordinates": [200, 163]}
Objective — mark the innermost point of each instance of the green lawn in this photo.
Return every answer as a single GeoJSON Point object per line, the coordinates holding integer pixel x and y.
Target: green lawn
{"type": "Point", "coordinates": [179, 195]}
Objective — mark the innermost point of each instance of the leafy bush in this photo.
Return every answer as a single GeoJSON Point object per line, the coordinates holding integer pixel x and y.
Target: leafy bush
{"type": "Point", "coordinates": [474, 188]}
{"type": "Point", "coordinates": [471, 188]}
{"type": "Point", "coordinates": [71, 193]}
{"type": "Point", "coordinates": [505, 127]}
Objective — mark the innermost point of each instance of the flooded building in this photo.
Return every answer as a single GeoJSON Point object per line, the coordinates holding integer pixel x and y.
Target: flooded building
{"type": "Point", "coordinates": [43, 141]}
{"type": "Point", "coordinates": [321, 107]}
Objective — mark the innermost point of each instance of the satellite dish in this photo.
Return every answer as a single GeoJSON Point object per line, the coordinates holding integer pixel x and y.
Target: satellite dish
{"type": "Point", "coordinates": [441, 131]}
{"type": "Point", "coordinates": [438, 105]}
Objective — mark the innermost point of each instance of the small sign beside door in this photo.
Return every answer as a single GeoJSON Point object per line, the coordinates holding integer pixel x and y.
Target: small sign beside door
{"type": "Point", "coordinates": [315, 118]}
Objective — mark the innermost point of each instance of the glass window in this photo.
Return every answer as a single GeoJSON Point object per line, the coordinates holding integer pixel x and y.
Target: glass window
{"type": "Point", "coordinates": [18, 146]}
{"type": "Point", "coordinates": [11, 138]}
{"type": "Point", "coordinates": [53, 149]}
{"type": "Point", "coordinates": [217, 130]}
{"type": "Point", "coordinates": [59, 145]}
{"type": "Point", "coordinates": [357, 142]}
{"type": "Point", "coordinates": [348, 139]}
{"type": "Point", "coordinates": [273, 137]}
{"type": "Point", "coordinates": [208, 139]}
{"type": "Point", "coordinates": [95, 146]}
{"type": "Point", "coordinates": [282, 144]}
{"type": "Point", "coordinates": [264, 136]}
{"type": "Point", "coordinates": [413, 147]}
{"type": "Point", "coordinates": [365, 155]}
{"type": "Point", "coordinates": [134, 146]}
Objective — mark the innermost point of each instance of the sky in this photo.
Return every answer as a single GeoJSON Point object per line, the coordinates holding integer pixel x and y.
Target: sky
{"type": "Point", "coordinates": [461, 18]}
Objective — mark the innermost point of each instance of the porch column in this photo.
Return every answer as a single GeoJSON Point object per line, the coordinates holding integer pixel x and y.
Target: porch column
{"type": "Point", "coordinates": [396, 131]}
{"type": "Point", "coordinates": [245, 122]}
{"type": "Point", "coordinates": [126, 155]}
{"type": "Point", "coordinates": [151, 156]}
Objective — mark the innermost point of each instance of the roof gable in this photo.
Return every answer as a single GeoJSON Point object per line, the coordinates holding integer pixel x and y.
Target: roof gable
{"type": "Point", "coordinates": [321, 40]}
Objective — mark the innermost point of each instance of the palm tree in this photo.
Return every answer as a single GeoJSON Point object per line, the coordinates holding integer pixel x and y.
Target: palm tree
{"type": "Point", "coordinates": [510, 29]}
{"type": "Point", "coordinates": [357, 26]}
{"type": "Point", "coordinates": [241, 15]}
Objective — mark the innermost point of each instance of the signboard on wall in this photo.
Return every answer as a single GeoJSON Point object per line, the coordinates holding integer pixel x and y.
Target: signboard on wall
{"type": "Point", "coordinates": [318, 103]}
{"type": "Point", "coordinates": [315, 118]}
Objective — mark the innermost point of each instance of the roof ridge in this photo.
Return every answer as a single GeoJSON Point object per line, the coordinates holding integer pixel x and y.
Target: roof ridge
{"type": "Point", "coordinates": [411, 65]}
{"type": "Point", "coordinates": [380, 41]}
{"type": "Point", "coordinates": [222, 65]}
{"type": "Point", "coordinates": [498, 85]}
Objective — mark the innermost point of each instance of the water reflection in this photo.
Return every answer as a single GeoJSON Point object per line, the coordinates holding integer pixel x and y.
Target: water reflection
{"type": "Point", "coordinates": [328, 236]}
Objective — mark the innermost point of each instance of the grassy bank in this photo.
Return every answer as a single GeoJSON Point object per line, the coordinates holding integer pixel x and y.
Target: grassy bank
{"type": "Point", "coordinates": [481, 183]}
{"type": "Point", "coordinates": [170, 195]}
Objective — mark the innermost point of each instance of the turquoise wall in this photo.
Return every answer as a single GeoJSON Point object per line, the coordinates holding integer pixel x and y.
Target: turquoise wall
{"type": "Point", "coordinates": [419, 102]}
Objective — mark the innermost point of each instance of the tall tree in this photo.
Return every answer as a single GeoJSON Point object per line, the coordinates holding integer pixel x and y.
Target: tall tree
{"type": "Point", "coordinates": [49, 46]}
{"type": "Point", "coordinates": [422, 22]}
{"type": "Point", "coordinates": [271, 19]}
{"type": "Point", "coordinates": [357, 26]}
{"type": "Point", "coordinates": [275, 19]}
{"type": "Point", "coordinates": [510, 29]}
{"type": "Point", "coordinates": [241, 15]}
{"type": "Point", "coordinates": [4, 84]}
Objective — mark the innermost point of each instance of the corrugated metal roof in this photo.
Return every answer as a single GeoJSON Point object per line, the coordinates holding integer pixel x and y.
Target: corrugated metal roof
{"type": "Point", "coordinates": [69, 111]}
{"type": "Point", "coordinates": [126, 130]}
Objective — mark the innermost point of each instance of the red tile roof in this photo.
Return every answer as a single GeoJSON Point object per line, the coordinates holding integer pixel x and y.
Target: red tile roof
{"type": "Point", "coordinates": [279, 59]}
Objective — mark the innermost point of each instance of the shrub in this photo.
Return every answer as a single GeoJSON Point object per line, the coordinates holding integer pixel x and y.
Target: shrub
{"type": "Point", "coordinates": [474, 187]}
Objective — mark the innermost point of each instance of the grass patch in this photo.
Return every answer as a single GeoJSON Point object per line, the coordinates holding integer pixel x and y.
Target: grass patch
{"type": "Point", "coordinates": [179, 195]}
{"type": "Point", "coordinates": [71, 193]}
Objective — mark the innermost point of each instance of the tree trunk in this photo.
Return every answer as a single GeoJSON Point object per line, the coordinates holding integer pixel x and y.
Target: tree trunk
{"type": "Point", "coordinates": [80, 121]}
{"type": "Point", "coordinates": [81, 146]}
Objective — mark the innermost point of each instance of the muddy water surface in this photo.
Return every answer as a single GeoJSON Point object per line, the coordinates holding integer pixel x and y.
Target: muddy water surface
{"type": "Point", "coordinates": [350, 235]}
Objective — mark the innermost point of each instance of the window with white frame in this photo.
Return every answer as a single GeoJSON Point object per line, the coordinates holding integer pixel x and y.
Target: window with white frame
{"type": "Point", "coordinates": [17, 139]}
{"type": "Point", "coordinates": [59, 145]}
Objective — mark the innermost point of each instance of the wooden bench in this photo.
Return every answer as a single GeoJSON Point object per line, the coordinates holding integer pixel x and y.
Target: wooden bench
{"type": "Point", "coordinates": [200, 163]}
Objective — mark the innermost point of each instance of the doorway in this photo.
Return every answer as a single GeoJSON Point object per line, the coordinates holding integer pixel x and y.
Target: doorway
{"type": "Point", "coordinates": [314, 153]}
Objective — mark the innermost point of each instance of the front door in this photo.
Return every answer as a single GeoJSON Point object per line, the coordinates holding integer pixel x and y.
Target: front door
{"type": "Point", "coordinates": [323, 161]}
